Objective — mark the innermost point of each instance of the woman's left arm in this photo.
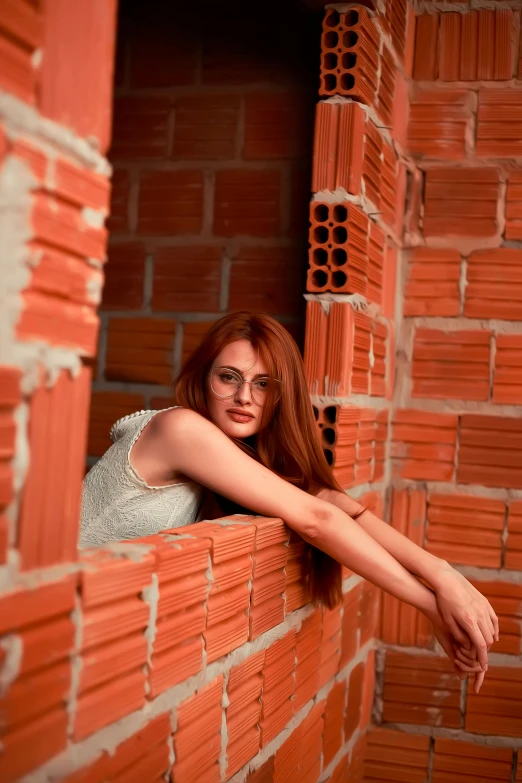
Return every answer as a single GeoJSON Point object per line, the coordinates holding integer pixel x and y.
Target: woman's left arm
{"type": "Point", "coordinates": [455, 595]}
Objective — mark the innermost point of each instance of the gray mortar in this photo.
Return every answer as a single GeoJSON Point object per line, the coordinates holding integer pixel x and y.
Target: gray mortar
{"type": "Point", "coordinates": [21, 119]}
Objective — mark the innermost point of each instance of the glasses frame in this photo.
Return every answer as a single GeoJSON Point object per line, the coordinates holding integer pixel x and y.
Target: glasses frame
{"type": "Point", "coordinates": [240, 386]}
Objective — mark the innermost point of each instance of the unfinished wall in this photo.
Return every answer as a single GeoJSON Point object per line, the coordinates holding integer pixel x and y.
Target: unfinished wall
{"type": "Point", "coordinates": [195, 656]}
{"type": "Point", "coordinates": [456, 439]}
{"type": "Point", "coordinates": [187, 657]}
{"type": "Point", "coordinates": [212, 148]}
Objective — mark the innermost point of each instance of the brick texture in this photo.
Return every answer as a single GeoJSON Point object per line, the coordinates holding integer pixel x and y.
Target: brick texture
{"type": "Point", "coordinates": [212, 148]}
{"type": "Point", "coordinates": [415, 214]}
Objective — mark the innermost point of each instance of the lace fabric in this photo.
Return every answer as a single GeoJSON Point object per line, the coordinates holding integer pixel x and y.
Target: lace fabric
{"type": "Point", "coordinates": [118, 504]}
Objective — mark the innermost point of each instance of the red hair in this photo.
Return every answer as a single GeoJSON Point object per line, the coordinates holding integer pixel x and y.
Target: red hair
{"type": "Point", "coordinates": [288, 442]}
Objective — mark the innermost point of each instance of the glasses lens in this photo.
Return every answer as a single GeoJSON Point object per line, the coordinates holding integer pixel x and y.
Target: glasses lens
{"type": "Point", "coordinates": [224, 383]}
{"type": "Point", "coordinates": [266, 389]}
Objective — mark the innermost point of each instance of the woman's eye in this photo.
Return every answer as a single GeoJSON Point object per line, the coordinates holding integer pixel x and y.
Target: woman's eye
{"type": "Point", "coordinates": [228, 377]}
{"type": "Point", "coordinates": [263, 385]}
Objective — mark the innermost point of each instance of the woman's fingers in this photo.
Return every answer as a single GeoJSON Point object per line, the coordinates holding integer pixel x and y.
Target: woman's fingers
{"type": "Point", "coordinates": [467, 667]}
{"type": "Point", "coordinates": [464, 654]}
{"type": "Point", "coordinates": [479, 679]}
{"type": "Point", "coordinates": [485, 625]}
{"type": "Point", "coordinates": [494, 622]}
{"type": "Point", "coordinates": [479, 641]}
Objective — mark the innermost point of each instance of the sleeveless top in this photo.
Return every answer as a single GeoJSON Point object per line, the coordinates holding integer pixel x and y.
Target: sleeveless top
{"type": "Point", "coordinates": [118, 504]}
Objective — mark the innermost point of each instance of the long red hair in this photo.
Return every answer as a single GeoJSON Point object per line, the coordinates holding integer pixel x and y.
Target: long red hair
{"type": "Point", "coordinates": [288, 442]}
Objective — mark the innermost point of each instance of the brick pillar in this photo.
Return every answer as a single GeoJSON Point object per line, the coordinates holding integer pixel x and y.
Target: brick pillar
{"type": "Point", "coordinates": [356, 216]}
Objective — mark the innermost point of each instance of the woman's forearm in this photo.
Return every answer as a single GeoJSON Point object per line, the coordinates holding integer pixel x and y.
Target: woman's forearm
{"type": "Point", "coordinates": [341, 537]}
{"type": "Point", "coordinates": [412, 557]}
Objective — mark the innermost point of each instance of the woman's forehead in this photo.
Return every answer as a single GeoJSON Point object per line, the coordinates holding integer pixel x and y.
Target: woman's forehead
{"type": "Point", "coordinates": [243, 356]}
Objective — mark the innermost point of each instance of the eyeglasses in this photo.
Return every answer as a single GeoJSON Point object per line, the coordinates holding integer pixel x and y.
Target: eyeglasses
{"type": "Point", "coordinates": [226, 383]}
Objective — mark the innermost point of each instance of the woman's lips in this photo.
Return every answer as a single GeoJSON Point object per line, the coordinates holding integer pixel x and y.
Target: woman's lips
{"type": "Point", "coordinates": [240, 418]}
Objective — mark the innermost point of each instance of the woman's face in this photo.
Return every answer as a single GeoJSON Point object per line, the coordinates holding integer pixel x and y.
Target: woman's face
{"type": "Point", "coordinates": [238, 415]}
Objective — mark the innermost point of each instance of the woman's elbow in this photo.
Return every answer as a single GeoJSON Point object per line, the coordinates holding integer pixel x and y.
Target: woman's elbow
{"type": "Point", "coordinates": [316, 524]}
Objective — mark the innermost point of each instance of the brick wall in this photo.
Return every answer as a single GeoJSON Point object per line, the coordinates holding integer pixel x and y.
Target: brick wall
{"type": "Point", "coordinates": [198, 657]}
{"type": "Point", "coordinates": [211, 148]}
{"type": "Point", "coordinates": [456, 422]}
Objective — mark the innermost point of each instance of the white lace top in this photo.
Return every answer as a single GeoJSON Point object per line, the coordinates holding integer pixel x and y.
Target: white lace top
{"type": "Point", "coordinates": [118, 504]}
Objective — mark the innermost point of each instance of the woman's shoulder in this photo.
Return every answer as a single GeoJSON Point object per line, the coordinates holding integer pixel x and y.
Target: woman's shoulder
{"type": "Point", "coordinates": [179, 422]}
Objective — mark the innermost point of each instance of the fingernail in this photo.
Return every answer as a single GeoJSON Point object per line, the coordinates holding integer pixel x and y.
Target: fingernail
{"type": "Point", "coordinates": [486, 667]}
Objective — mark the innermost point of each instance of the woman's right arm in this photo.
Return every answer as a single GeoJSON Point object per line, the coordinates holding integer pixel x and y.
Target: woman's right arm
{"type": "Point", "coordinates": [196, 448]}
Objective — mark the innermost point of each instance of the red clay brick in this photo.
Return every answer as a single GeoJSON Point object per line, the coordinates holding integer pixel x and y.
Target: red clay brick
{"type": "Point", "coordinates": [79, 96]}
{"type": "Point", "coordinates": [193, 333]}
{"type": "Point", "coordinates": [206, 126]}
{"type": "Point", "coordinates": [267, 279]}
{"type": "Point", "coordinates": [437, 122]}
{"type": "Point", "coordinates": [187, 278]}
{"type": "Point", "coordinates": [338, 147]}
{"type": "Point", "coordinates": [124, 276]}
{"type": "Point", "coordinates": [277, 125]}
{"type": "Point", "coordinates": [490, 451]}
{"type": "Point", "coordinates": [48, 525]}
{"type": "Point", "coordinates": [247, 202]}
{"type": "Point", "coordinates": [118, 220]}
{"type": "Point", "coordinates": [29, 745]}
{"type": "Point", "coordinates": [498, 126]}
{"type": "Point", "coordinates": [140, 127]}
{"type": "Point", "coordinates": [465, 529]}
{"type": "Point", "coordinates": [426, 47]}
{"type": "Point", "coordinates": [433, 283]}
{"type": "Point", "coordinates": [395, 756]}
{"type": "Point", "coordinates": [451, 364]}
{"type": "Point", "coordinates": [140, 350]}
{"type": "Point", "coordinates": [171, 202]}
{"type": "Point", "coordinates": [422, 690]}
{"type": "Point", "coordinates": [461, 202]}
{"type": "Point", "coordinates": [496, 709]}
{"type": "Point", "coordinates": [470, 762]}
{"type": "Point", "coordinates": [424, 445]}
{"type": "Point", "coordinates": [507, 379]}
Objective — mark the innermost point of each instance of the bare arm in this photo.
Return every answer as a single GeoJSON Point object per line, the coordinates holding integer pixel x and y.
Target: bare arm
{"type": "Point", "coordinates": [417, 560]}
{"type": "Point", "coordinates": [462, 607]}
{"type": "Point", "coordinates": [196, 448]}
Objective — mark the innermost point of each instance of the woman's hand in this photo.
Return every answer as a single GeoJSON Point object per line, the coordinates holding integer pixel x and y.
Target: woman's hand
{"type": "Point", "coordinates": [464, 661]}
{"type": "Point", "coordinates": [467, 614]}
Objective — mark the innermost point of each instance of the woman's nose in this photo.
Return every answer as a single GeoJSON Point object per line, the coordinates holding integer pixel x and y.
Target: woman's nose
{"type": "Point", "coordinates": [244, 393]}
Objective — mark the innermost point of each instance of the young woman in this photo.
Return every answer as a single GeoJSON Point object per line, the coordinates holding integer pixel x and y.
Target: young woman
{"type": "Point", "coordinates": [243, 435]}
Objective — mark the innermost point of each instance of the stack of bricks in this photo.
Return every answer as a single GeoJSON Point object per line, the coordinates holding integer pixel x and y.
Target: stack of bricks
{"type": "Point", "coordinates": [211, 152]}
{"type": "Point", "coordinates": [456, 419]}
{"type": "Point", "coordinates": [158, 636]}
{"type": "Point", "coordinates": [359, 186]}
{"type": "Point", "coordinates": [195, 654]}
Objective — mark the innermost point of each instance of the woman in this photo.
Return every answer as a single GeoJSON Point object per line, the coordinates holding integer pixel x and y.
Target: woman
{"type": "Point", "coordinates": [244, 430]}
